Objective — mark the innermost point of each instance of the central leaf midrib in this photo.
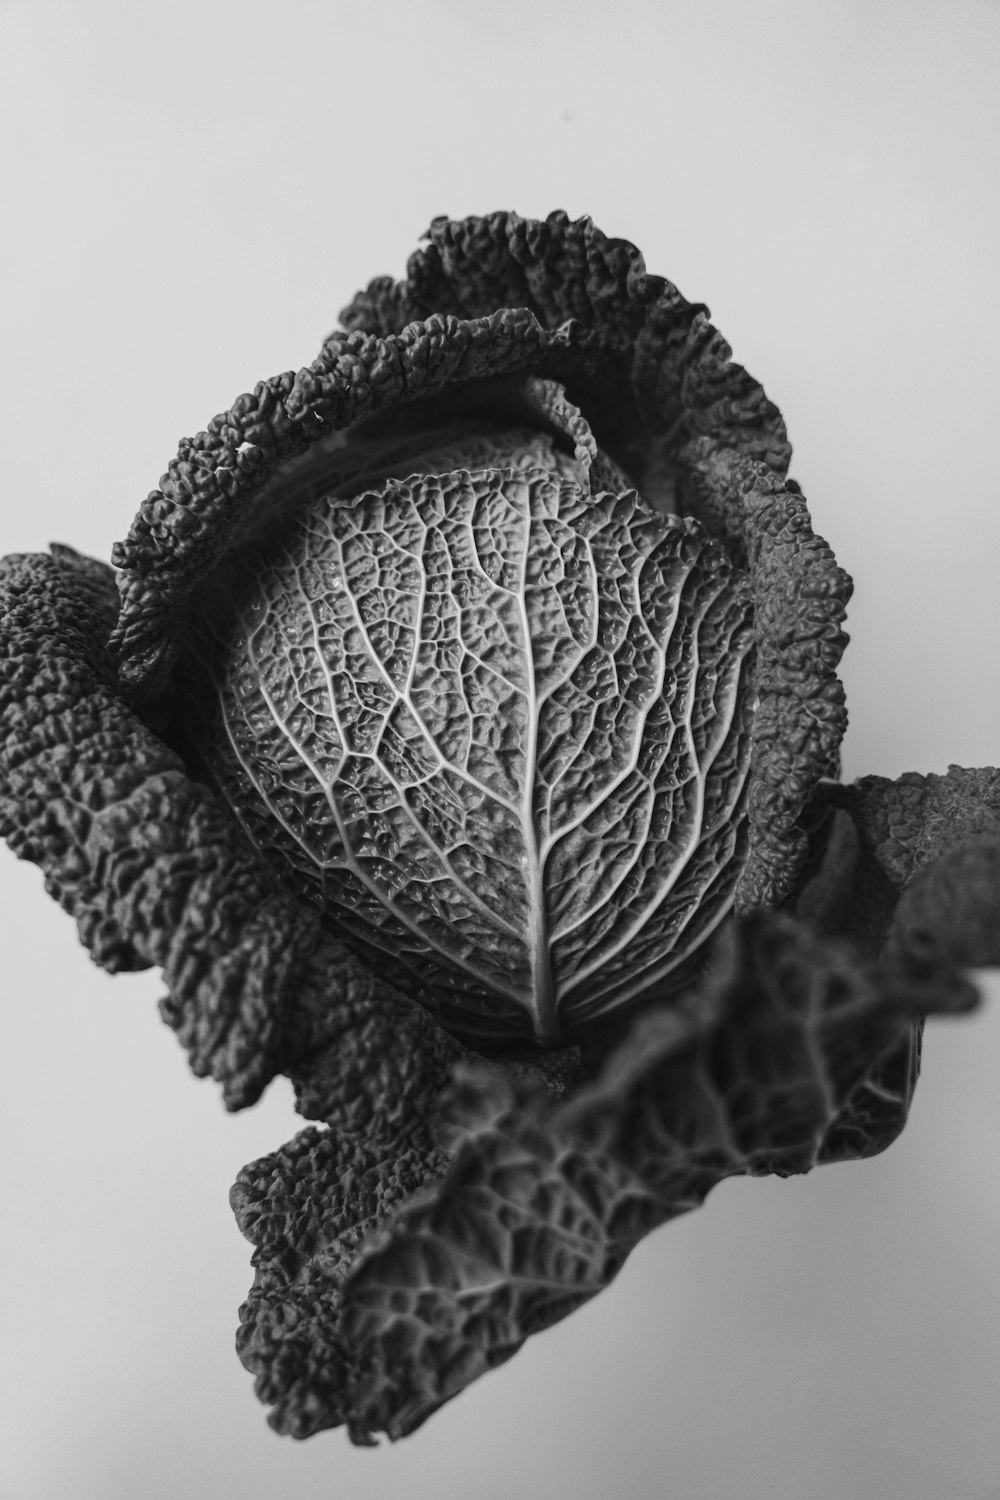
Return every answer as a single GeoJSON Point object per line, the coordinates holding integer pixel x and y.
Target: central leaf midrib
{"type": "Point", "coordinates": [542, 1000]}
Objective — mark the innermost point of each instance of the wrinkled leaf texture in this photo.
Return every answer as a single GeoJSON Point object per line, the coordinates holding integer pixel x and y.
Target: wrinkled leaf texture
{"type": "Point", "coordinates": [499, 726]}
{"type": "Point", "coordinates": [449, 1204]}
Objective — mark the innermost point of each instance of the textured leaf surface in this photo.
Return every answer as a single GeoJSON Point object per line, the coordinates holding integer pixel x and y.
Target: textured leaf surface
{"type": "Point", "coordinates": [908, 822]}
{"type": "Point", "coordinates": [307, 1209]}
{"type": "Point", "coordinates": [502, 299]}
{"type": "Point", "coordinates": [791, 1053]}
{"type": "Point", "coordinates": [498, 726]}
{"type": "Point", "coordinates": [155, 872]}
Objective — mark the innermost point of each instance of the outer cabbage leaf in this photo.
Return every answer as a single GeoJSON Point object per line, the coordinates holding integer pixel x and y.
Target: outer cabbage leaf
{"type": "Point", "coordinates": [155, 872]}
{"type": "Point", "coordinates": [791, 1053]}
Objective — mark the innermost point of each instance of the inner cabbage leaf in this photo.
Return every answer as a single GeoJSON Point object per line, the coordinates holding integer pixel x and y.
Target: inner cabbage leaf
{"type": "Point", "coordinates": [496, 726]}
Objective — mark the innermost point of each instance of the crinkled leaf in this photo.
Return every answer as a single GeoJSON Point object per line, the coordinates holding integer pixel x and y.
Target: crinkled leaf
{"type": "Point", "coordinates": [156, 872]}
{"type": "Point", "coordinates": [790, 1053]}
{"type": "Point", "coordinates": [913, 820]}
{"type": "Point", "coordinates": [500, 729]}
{"type": "Point", "coordinates": [920, 849]}
{"type": "Point", "coordinates": [307, 1208]}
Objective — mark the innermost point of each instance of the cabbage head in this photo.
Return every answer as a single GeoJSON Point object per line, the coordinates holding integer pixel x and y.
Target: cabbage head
{"type": "Point", "coordinates": [457, 729]}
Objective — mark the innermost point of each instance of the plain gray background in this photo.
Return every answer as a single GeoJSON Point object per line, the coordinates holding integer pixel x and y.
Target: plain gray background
{"type": "Point", "coordinates": [191, 192]}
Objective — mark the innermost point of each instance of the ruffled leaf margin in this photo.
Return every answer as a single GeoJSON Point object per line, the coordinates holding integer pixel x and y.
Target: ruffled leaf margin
{"type": "Point", "coordinates": [792, 1053]}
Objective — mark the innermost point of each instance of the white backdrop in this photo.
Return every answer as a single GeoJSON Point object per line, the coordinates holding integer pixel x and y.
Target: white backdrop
{"type": "Point", "coordinates": [191, 193]}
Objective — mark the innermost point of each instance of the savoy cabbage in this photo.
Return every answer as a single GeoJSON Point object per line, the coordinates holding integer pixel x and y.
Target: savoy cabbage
{"type": "Point", "coordinates": [457, 728]}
